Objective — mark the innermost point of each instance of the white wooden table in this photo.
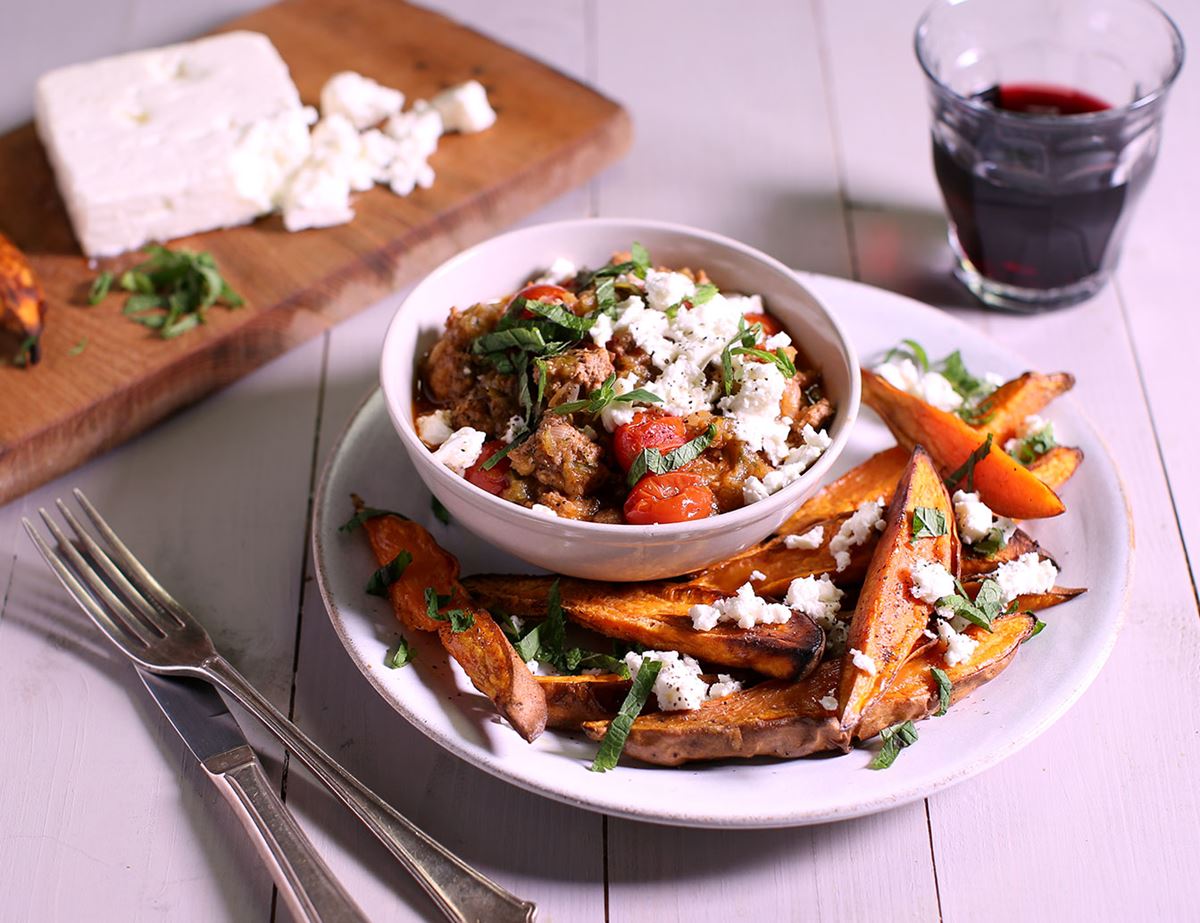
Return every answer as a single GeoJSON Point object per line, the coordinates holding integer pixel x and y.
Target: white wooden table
{"type": "Point", "coordinates": [799, 127]}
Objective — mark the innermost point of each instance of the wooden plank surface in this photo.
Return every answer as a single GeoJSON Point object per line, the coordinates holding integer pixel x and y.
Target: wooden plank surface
{"type": "Point", "coordinates": [1096, 819]}
{"type": "Point", "coordinates": [551, 135]}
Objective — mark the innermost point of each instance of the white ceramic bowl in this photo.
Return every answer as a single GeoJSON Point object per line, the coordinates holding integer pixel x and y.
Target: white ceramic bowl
{"type": "Point", "coordinates": [586, 549]}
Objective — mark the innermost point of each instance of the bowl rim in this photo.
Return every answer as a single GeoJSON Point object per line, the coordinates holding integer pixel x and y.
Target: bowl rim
{"type": "Point", "coordinates": [744, 515]}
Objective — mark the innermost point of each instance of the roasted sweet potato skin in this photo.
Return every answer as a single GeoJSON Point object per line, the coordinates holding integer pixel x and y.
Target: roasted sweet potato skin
{"type": "Point", "coordinates": [913, 695]}
{"type": "Point", "coordinates": [1005, 409]}
{"type": "Point", "coordinates": [888, 620]}
{"type": "Point", "coordinates": [774, 718]}
{"type": "Point", "coordinates": [571, 701]}
{"type": "Point", "coordinates": [1003, 483]}
{"type": "Point", "coordinates": [22, 304]}
{"type": "Point", "coordinates": [482, 650]}
{"type": "Point", "coordinates": [656, 615]}
{"type": "Point", "coordinates": [1057, 466]}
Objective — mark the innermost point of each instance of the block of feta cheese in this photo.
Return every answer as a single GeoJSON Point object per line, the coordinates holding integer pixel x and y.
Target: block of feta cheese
{"type": "Point", "coordinates": [159, 144]}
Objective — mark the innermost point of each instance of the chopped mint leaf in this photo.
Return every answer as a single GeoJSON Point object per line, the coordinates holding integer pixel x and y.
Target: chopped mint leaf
{"type": "Point", "coordinates": [895, 739]}
{"type": "Point", "coordinates": [652, 461]}
{"type": "Point", "coordinates": [944, 688]}
{"type": "Point", "coordinates": [101, 286]}
{"type": "Point", "coordinates": [78, 348]}
{"type": "Point", "coordinates": [382, 580]}
{"type": "Point", "coordinates": [440, 513]}
{"type": "Point", "coordinates": [367, 512]}
{"type": "Point", "coordinates": [968, 467]}
{"type": "Point", "coordinates": [1038, 625]}
{"type": "Point", "coordinates": [605, 396]}
{"type": "Point", "coordinates": [460, 619]}
{"type": "Point", "coordinates": [618, 729]}
{"type": "Point", "coordinates": [928, 522]}
{"type": "Point", "coordinates": [640, 257]}
{"type": "Point", "coordinates": [399, 656]}
{"type": "Point", "coordinates": [1035, 445]}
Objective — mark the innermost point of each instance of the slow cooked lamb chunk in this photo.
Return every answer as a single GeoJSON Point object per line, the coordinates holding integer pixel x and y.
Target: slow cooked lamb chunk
{"type": "Point", "coordinates": [562, 458]}
{"type": "Point", "coordinates": [449, 373]}
{"type": "Point", "coordinates": [575, 373]}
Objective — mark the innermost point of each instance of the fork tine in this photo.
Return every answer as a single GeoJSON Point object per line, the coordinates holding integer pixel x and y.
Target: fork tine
{"type": "Point", "coordinates": [132, 567]}
{"type": "Point", "coordinates": [96, 585]}
{"type": "Point", "coordinates": [146, 608]}
{"type": "Point", "coordinates": [86, 602]}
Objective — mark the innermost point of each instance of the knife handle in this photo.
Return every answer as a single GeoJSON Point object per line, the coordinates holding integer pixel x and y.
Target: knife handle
{"type": "Point", "coordinates": [303, 878]}
{"type": "Point", "coordinates": [462, 893]}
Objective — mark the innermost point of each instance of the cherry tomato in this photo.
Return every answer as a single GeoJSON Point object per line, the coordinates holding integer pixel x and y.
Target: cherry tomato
{"type": "Point", "coordinates": [674, 497]}
{"type": "Point", "coordinates": [770, 326]}
{"type": "Point", "coordinates": [549, 294]}
{"type": "Point", "coordinates": [647, 431]}
{"type": "Point", "coordinates": [495, 479]}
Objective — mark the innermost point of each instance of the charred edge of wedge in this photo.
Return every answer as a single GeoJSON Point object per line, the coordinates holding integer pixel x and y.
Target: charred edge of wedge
{"type": "Point", "coordinates": [571, 701]}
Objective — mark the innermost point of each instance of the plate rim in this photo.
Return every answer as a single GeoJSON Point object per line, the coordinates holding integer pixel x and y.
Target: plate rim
{"type": "Point", "coordinates": [793, 817]}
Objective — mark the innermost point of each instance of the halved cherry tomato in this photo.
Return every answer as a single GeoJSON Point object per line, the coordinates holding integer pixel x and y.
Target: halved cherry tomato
{"type": "Point", "coordinates": [549, 294]}
{"type": "Point", "coordinates": [647, 431]}
{"type": "Point", "coordinates": [495, 479]}
{"type": "Point", "coordinates": [674, 497]}
{"type": "Point", "coordinates": [770, 326]}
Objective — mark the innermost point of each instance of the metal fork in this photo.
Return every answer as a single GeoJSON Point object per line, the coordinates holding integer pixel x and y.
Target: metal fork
{"type": "Point", "coordinates": [156, 632]}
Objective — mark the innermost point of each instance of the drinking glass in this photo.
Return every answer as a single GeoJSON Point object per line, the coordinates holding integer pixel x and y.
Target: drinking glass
{"type": "Point", "coordinates": [1047, 116]}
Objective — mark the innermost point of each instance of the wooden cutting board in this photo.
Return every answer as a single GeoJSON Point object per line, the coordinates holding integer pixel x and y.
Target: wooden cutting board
{"type": "Point", "coordinates": [552, 134]}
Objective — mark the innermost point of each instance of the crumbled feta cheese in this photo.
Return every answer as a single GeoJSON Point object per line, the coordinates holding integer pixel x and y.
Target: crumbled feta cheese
{"type": "Point", "coordinates": [266, 155]}
{"type": "Point", "coordinates": [931, 581]}
{"type": "Point", "coordinates": [465, 108]}
{"type": "Point", "coordinates": [532, 666]}
{"type": "Point", "coordinates": [815, 596]}
{"type": "Point", "coordinates": [461, 450]}
{"type": "Point", "coordinates": [601, 330]}
{"type": "Point", "coordinates": [561, 270]}
{"type": "Point", "coordinates": [1027, 574]}
{"type": "Point", "coordinates": [542, 510]}
{"type": "Point", "coordinates": [795, 463]}
{"type": "Point", "coordinates": [512, 428]}
{"type": "Point", "coordinates": [421, 126]}
{"type": "Point", "coordinates": [932, 387]}
{"type": "Point", "coordinates": [757, 576]}
{"type": "Point", "coordinates": [755, 412]}
{"type": "Point", "coordinates": [679, 685]}
{"type": "Point", "coordinates": [518, 623]}
{"type": "Point", "coordinates": [434, 428]}
{"type": "Point", "coordinates": [828, 702]}
{"type": "Point", "coordinates": [745, 608]}
{"type": "Point", "coordinates": [361, 158]}
{"type": "Point", "coordinates": [854, 531]}
{"type": "Point", "coordinates": [973, 515]}
{"type": "Point", "coordinates": [960, 648]}
{"type": "Point", "coordinates": [863, 662]}
{"type": "Point", "coordinates": [810, 539]}
{"type": "Point", "coordinates": [777, 341]}
{"type": "Point", "coordinates": [725, 685]}
{"type": "Point", "coordinates": [409, 168]}
{"type": "Point", "coordinates": [666, 289]}
{"type": "Point", "coordinates": [360, 99]}
{"type": "Point", "coordinates": [317, 196]}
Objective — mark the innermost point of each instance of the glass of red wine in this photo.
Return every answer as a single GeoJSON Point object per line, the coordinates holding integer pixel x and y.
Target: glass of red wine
{"type": "Point", "coordinates": [1047, 116]}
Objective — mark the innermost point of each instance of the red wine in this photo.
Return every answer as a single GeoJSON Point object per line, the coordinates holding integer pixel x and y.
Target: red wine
{"type": "Point", "coordinates": [1038, 214]}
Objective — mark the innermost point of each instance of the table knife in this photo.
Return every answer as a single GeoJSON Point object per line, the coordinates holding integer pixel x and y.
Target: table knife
{"type": "Point", "coordinates": [200, 716]}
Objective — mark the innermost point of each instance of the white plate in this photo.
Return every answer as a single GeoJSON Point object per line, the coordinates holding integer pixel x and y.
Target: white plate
{"type": "Point", "coordinates": [1091, 543]}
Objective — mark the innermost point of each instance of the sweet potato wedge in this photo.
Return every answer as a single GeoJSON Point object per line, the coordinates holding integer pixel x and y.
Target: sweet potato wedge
{"type": "Point", "coordinates": [482, 650]}
{"type": "Point", "coordinates": [781, 565]}
{"type": "Point", "coordinates": [888, 621]}
{"type": "Point", "coordinates": [1003, 483]}
{"type": "Point", "coordinates": [1057, 466]}
{"type": "Point", "coordinates": [913, 695]}
{"type": "Point", "coordinates": [1033, 602]}
{"type": "Point", "coordinates": [876, 477]}
{"type": "Point", "coordinates": [1005, 409]}
{"type": "Point", "coordinates": [774, 718]}
{"type": "Point", "coordinates": [573, 700]}
{"type": "Point", "coordinates": [656, 615]}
